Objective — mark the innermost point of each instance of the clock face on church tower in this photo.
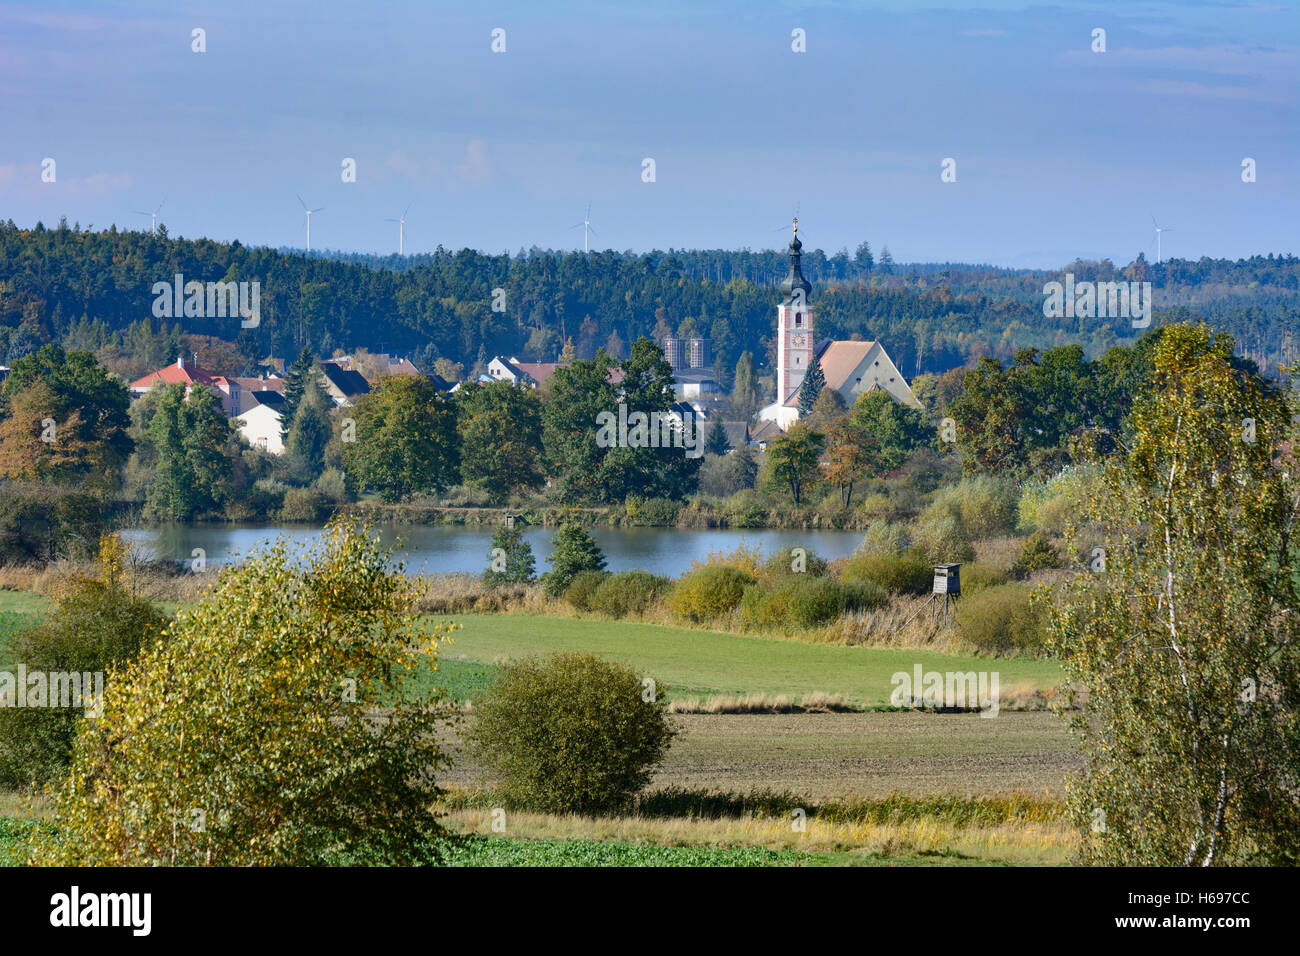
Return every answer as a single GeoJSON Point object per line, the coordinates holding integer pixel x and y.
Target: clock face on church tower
{"type": "Point", "coordinates": [799, 341]}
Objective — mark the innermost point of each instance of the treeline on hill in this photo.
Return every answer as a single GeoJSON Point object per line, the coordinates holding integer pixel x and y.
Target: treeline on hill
{"type": "Point", "coordinates": [93, 290]}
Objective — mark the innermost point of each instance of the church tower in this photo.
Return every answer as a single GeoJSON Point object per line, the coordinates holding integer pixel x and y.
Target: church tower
{"type": "Point", "coordinates": [794, 326]}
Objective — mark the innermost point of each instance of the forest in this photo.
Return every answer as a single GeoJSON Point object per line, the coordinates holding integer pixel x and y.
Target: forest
{"type": "Point", "coordinates": [91, 290]}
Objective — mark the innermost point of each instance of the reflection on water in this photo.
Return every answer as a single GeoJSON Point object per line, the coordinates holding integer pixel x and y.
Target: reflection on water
{"type": "Point", "coordinates": [441, 549]}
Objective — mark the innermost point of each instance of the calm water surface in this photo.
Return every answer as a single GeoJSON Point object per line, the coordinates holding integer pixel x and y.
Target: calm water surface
{"type": "Point", "coordinates": [444, 549]}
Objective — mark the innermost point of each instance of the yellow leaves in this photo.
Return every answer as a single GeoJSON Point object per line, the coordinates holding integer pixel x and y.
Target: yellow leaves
{"type": "Point", "coordinates": [240, 714]}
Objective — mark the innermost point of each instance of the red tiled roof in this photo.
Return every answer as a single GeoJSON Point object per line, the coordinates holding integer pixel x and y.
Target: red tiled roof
{"type": "Point", "coordinates": [176, 375]}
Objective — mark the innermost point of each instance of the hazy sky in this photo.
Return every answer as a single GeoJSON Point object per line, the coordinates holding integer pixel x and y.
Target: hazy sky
{"type": "Point", "coordinates": [1060, 151]}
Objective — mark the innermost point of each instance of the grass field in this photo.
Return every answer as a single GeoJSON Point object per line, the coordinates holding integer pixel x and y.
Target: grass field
{"type": "Point", "coordinates": [696, 664]}
{"type": "Point", "coordinates": [869, 754]}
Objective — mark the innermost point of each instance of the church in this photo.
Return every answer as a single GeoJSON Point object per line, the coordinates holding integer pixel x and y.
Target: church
{"type": "Point", "coordinates": [850, 368]}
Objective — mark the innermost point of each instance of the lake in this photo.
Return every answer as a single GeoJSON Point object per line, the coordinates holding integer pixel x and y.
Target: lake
{"type": "Point", "coordinates": [443, 549]}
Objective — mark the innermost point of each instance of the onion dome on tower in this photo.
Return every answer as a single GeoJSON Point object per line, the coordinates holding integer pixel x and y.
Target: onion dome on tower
{"type": "Point", "coordinates": [795, 279]}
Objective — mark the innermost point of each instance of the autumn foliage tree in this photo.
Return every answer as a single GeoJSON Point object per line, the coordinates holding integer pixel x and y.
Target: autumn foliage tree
{"type": "Point", "coordinates": [1182, 639]}
{"type": "Point", "coordinates": [63, 419]}
{"type": "Point", "coordinates": [263, 729]}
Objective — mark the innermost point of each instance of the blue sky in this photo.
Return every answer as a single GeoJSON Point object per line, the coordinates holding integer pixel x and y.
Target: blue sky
{"type": "Point", "coordinates": [1060, 152]}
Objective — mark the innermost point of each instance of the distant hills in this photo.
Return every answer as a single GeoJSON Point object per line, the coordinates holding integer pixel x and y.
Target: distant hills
{"type": "Point", "coordinates": [93, 289]}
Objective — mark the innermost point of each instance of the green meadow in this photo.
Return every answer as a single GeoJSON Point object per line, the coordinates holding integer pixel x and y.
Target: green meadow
{"type": "Point", "coordinates": [695, 663]}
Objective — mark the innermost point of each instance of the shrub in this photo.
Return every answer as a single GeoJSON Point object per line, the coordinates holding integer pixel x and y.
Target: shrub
{"type": "Point", "coordinates": [259, 711]}
{"type": "Point", "coordinates": [985, 507]}
{"type": "Point", "coordinates": [95, 625]}
{"type": "Point", "coordinates": [758, 610]}
{"type": "Point", "coordinates": [266, 497]}
{"type": "Point", "coordinates": [303, 504]}
{"type": "Point", "coordinates": [906, 573]}
{"type": "Point", "coordinates": [745, 510]}
{"type": "Point", "coordinates": [784, 564]}
{"type": "Point", "coordinates": [333, 487]}
{"type": "Point", "coordinates": [979, 575]}
{"type": "Point", "coordinates": [747, 560]}
{"type": "Point", "coordinates": [876, 505]}
{"type": "Point", "coordinates": [803, 601]}
{"type": "Point", "coordinates": [812, 601]}
{"type": "Point", "coordinates": [575, 550]}
{"type": "Point", "coordinates": [1002, 618]}
{"type": "Point", "coordinates": [570, 733]}
{"type": "Point", "coordinates": [942, 539]}
{"type": "Point", "coordinates": [651, 512]}
{"type": "Point", "coordinates": [863, 595]}
{"type": "Point", "coordinates": [708, 592]}
{"type": "Point", "coordinates": [1038, 553]}
{"type": "Point", "coordinates": [1051, 506]}
{"type": "Point", "coordinates": [582, 587]}
{"type": "Point", "coordinates": [629, 592]}
{"type": "Point", "coordinates": [885, 537]}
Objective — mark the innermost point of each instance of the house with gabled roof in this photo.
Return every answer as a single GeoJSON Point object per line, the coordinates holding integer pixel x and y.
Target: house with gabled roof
{"type": "Point", "coordinates": [191, 375]}
{"type": "Point", "coordinates": [343, 385]}
{"type": "Point", "coordinates": [850, 368]}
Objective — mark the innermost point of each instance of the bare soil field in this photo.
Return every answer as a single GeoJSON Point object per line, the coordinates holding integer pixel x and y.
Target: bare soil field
{"type": "Point", "coordinates": [827, 756]}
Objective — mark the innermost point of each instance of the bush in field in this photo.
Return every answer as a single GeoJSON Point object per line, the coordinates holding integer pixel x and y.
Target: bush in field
{"type": "Point", "coordinates": [1002, 619]}
{"type": "Point", "coordinates": [94, 626]}
{"type": "Point", "coordinates": [942, 539]}
{"type": "Point", "coordinates": [812, 601]}
{"type": "Point", "coordinates": [906, 573]}
{"type": "Point", "coordinates": [1037, 554]}
{"type": "Point", "coordinates": [582, 587]}
{"type": "Point", "coordinates": [570, 733]}
{"type": "Point", "coordinates": [708, 592]}
{"type": "Point", "coordinates": [979, 575]}
{"type": "Point", "coordinates": [628, 592]}
{"type": "Point", "coordinates": [510, 560]}
{"type": "Point", "coordinates": [575, 550]}
{"type": "Point", "coordinates": [252, 734]}
{"type": "Point", "coordinates": [986, 507]}
{"type": "Point", "coordinates": [885, 537]}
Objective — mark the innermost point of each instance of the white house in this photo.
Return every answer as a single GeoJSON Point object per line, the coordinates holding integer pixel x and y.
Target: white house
{"type": "Point", "coordinates": [260, 425]}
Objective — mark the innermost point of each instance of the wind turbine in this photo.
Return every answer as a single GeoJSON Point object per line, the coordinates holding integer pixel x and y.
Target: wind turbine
{"type": "Point", "coordinates": [586, 227]}
{"type": "Point", "coordinates": [309, 212]}
{"type": "Point", "coordinates": [401, 227]}
{"type": "Point", "coordinates": [1159, 230]}
{"type": "Point", "coordinates": [153, 216]}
